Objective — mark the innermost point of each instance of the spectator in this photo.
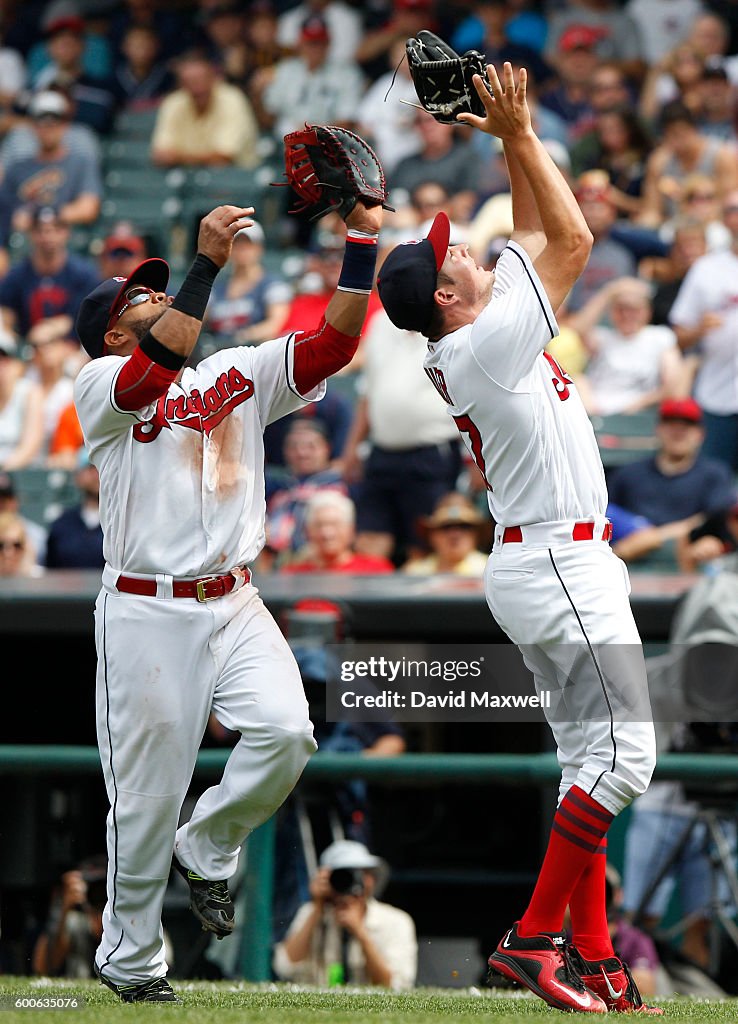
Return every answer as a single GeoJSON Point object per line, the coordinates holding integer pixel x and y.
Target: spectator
{"type": "Point", "coordinates": [334, 414]}
{"type": "Point", "coordinates": [10, 502]}
{"type": "Point", "coordinates": [699, 201]}
{"type": "Point", "coordinates": [344, 933]}
{"type": "Point", "coordinates": [495, 43]}
{"type": "Point", "coordinates": [60, 20]}
{"type": "Point", "coordinates": [683, 151]}
{"type": "Point", "coordinates": [50, 282]}
{"type": "Point", "coordinates": [666, 273]}
{"type": "Point", "coordinates": [344, 23]}
{"type": "Point", "coordinates": [413, 455]}
{"type": "Point", "coordinates": [707, 545]}
{"type": "Point", "coordinates": [67, 442]}
{"type": "Point", "coordinates": [634, 945]}
{"type": "Point", "coordinates": [574, 60]}
{"type": "Point", "coordinates": [526, 25]}
{"type": "Point", "coordinates": [674, 78]}
{"type": "Point", "coordinates": [262, 51]}
{"type": "Point", "coordinates": [90, 90]}
{"type": "Point", "coordinates": [679, 481]}
{"type": "Point", "coordinates": [662, 24]}
{"type": "Point", "coordinates": [17, 557]}
{"type": "Point", "coordinates": [635, 538]}
{"type": "Point", "coordinates": [633, 365]}
{"type": "Point", "coordinates": [55, 177]}
{"type": "Point", "coordinates": [620, 145]}
{"type": "Point", "coordinates": [615, 34]}
{"type": "Point", "coordinates": [174, 33]}
{"type": "Point", "coordinates": [248, 305]}
{"type": "Point", "coordinates": [330, 519]}
{"type": "Point", "coordinates": [716, 107]}
{"type": "Point", "coordinates": [705, 314]}
{"type": "Point", "coordinates": [454, 532]}
{"type": "Point", "coordinates": [140, 78]}
{"type": "Point", "coordinates": [317, 284]}
{"type": "Point", "coordinates": [52, 365]}
{"type": "Point", "coordinates": [312, 86]}
{"type": "Point", "coordinates": [710, 36]}
{"type": "Point", "coordinates": [21, 410]}
{"type": "Point", "coordinates": [223, 24]}
{"type": "Point", "coordinates": [123, 249]}
{"type": "Point", "coordinates": [22, 138]}
{"type": "Point", "coordinates": [384, 118]}
{"type": "Point", "coordinates": [75, 539]}
{"type": "Point", "coordinates": [308, 471]}
{"type": "Point", "coordinates": [446, 158]}
{"type": "Point", "coordinates": [204, 122]}
{"type": "Point", "coordinates": [609, 258]}
{"type": "Point", "coordinates": [377, 51]}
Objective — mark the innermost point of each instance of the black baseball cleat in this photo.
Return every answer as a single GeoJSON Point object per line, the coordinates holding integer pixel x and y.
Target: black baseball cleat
{"type": "Point", "coordinates": [156, 991]}
{"type": "Point", "coordinates": [612, 981]}
{"type": "Point", "coordinates": [210, 902]}
{"type": "Point", "coordinates": [541, 963]}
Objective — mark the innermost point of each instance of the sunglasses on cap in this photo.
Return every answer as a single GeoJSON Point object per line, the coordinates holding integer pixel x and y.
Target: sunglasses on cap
{"type": "Point", "coordinates": [134, 296]}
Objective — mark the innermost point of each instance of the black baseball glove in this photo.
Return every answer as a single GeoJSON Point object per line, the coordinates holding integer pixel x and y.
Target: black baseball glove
{"type": "Point", "coordinates": [331, 169]}
{"type": "Point", "coordinates": [443, 78]}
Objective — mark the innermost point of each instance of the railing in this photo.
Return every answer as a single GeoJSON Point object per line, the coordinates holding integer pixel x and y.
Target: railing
{"type": "Point", "coordinates": [412, 769]}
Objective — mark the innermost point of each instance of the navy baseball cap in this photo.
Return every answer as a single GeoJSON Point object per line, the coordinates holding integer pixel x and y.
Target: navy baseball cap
{"type": "Point", "coordinates": [100, 306]}
{"type": "Point", "coordinates": [407, 278]}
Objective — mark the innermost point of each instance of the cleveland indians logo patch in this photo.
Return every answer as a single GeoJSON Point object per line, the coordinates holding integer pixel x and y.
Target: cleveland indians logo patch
{"type": "Point", "coordinates": [200, 411]}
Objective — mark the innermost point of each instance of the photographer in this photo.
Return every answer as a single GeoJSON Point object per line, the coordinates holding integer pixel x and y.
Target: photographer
{"type": "Point", "coordinates": [344, 935]}
{"type": "Point", "coordinates": [74, 926]}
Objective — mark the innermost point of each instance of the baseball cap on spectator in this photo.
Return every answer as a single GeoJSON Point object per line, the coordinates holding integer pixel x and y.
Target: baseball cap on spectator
{"type": "Point", "coordinates": [456, 512]}
{"type": "Point", "coordinates": [103, 302]}
{"type": "Point", "coordinates": [254, 234]}
{"type": "Point", "coordinates": [579, 37]}
{"type": "Point", "coordinates": [124, 243]}
{"type": "Point", "coordinates": [315, 30]}
{"type": "Point", "coordinates": [347, 853]}
{"type": "Point", "coordinates": [48, 103]}
{"type": "Point", "coordinates": [413, 5]}
{"type": "Point", "coordinates": [44, 215]}
{"type": "Point", "coordinates": [407, 277]}
{"type": "Point", "coordinates": [680, 409]}
{"type": "Point", "coordinates": [65, 23]}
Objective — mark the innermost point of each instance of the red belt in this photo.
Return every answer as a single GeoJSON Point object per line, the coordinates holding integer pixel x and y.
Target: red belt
{"type": "Point", "coordinates": [581, 531]}
{"type": "Point", "coordinates": [207, 588]}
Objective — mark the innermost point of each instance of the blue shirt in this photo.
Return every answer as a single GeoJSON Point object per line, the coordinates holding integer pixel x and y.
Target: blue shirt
{"type": "Point", "coordinates": [640, 487]}
{"type": "Point", "coordinates": [34, 297]}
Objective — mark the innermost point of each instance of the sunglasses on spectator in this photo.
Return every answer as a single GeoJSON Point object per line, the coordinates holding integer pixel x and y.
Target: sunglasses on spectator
{"type": "Point", "coordinates": [135, 296]}
{"type": "Point", "coordinates": [11, 545]}
{"type": "Point", "coordinates": [700, 196]}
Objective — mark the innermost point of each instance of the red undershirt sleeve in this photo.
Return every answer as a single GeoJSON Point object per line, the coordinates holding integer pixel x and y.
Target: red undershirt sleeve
{"type": "Point", "coordinates": [320, 354]}
{"type": "Point", "coordinates": [141, 382]}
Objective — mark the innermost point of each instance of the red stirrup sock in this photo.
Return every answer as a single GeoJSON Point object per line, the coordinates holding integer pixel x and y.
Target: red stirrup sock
{"type": "Point", "coordinates": [588, 909]}
{"type": "Point", "coordinates": [579, 825]}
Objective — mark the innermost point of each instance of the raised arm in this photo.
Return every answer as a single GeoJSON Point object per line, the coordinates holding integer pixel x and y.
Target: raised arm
{"type": "Point", "coordinates": [568, 239]}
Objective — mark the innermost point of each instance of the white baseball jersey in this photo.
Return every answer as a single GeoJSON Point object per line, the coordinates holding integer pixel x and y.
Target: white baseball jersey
{"type": "Point", "coordinates": [518, 412]}
{"type": "Point", "coordinates": [182, 481]}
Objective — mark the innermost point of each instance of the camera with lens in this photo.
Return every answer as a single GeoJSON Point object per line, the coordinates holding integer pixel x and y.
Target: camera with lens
{"type": "Point", "coordinates": [347, 881]}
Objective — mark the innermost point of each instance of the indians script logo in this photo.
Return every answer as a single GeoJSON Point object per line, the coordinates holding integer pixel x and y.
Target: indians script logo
{"type": "Point", "coordinates": [201, 411]}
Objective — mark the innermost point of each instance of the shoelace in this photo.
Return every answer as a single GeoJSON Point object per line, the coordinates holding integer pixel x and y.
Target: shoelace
{"type": "Point", "coordinates": [631, 991]}
{"type": "Point", "coordinates": [219, 890]}
{"type": "Point", "coordinates": [571, 973]}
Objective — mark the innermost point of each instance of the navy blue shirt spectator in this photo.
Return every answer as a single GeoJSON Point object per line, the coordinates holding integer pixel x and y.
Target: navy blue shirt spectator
{"type": "Point", "coordinates": [335, 412]}
{"type": "Point", "coordinates": [75, 539]}
{"type": "Point", "coordinates": [678, 482]}
{"type": "Point", "coordinates": [50, 281]}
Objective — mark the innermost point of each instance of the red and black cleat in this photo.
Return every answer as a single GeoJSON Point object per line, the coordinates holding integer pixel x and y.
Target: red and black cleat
{"type": "Point", "coordinates": [612, 981]}
{"type": "Point", "coordinates": [542, 964]}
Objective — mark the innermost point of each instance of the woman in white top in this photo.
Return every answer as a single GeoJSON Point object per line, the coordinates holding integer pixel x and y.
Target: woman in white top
{"type": "Point", "coordinates": [21, 411]}
{"type": "Point", "coordinates": [632, 364]}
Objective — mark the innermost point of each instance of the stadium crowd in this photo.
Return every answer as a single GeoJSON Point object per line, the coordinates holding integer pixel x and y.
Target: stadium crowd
{"type": "Point", "coordinates": [108, 108]}
{"type": "Point", "coordinates": [112, 112]}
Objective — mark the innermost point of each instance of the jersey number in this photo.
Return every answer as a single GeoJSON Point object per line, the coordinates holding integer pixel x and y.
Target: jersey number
{"type": "Point", "coordinates": [561, 380]}
{"type": "Point", "coordinates": [466, 426]}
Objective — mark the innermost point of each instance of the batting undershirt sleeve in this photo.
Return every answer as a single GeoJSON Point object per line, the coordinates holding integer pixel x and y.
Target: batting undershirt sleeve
{"type": "Point", "coordinates": [146, 375]}
{"type": "Point", "coordinates": [320, 354]}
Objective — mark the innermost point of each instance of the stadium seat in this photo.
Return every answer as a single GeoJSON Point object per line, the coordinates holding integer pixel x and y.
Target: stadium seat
{"type": "Point", "coordinates": [45, 493]}
{"type": "Point", "coordinates": [135, 124]}
{"type": "Point", "coordinates": [624, 437]}
{"type": "Point", "coordinates": [661, 560]}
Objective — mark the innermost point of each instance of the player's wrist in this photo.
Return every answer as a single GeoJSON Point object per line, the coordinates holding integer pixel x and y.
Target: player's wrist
{"type": "Point", "coordinates": [193, 297]}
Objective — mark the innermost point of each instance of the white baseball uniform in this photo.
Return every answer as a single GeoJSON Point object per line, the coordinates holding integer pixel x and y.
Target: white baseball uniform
{"type": "Point", "coordinates": [560, 599]}
{"type": "Point", "coordinates": [182, 497]}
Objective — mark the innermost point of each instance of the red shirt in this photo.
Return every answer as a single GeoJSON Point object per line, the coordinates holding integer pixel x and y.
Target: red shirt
{"type": "Point", "coordinates": [359, 564]}
{"type": "Point", "coordinates": [306, 311]}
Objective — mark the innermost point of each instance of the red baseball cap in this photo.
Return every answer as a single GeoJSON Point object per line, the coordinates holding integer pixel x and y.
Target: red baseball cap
{"type": "Point", "coordinates": [579, 37]}
{"type": "Point", "coordinates": [680, 409]}
{"type": "Point", "coordinates": [315, 30]}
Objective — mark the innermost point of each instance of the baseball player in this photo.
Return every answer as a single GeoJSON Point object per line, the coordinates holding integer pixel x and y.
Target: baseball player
{"type": "Point", "coordinates": [552, 581]}
{"type": "Point", "coordinates": [180, 629]}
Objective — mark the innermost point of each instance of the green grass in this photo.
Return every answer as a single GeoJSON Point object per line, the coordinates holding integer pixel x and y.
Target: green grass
{"type": "Point", "coordinates": [240, 1003]}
